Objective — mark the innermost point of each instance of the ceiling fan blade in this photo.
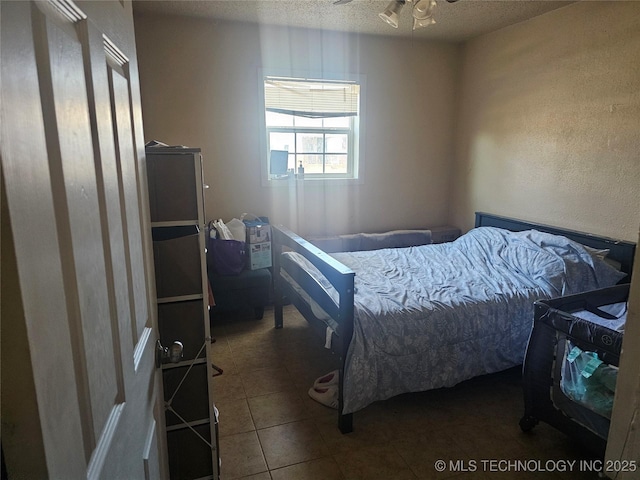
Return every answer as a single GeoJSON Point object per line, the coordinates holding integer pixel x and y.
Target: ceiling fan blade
{"type": "Point", "coordinates": [341, 2]}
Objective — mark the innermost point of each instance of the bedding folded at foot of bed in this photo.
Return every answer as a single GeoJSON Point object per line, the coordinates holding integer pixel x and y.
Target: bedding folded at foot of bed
{"type": "Point", "coordinates": [373, 241]}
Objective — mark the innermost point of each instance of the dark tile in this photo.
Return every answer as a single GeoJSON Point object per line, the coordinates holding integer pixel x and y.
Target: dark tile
{"type": "Point", "coordinates": [234, 416]}
{"type": "Point", "coordinates": [364, 435]}
{"type": "Point", "coordinates": [241, 455]}
{"type": "Point", "coordinates": [292, 443]}
{"type": "Point", "coordinates": [373, 463]}
{"type": "Point", "coordinates": [228, 386]}
{"type": "Point", "coordinates": [321, 469]}
{"type": "Point", "coordinates": [277, 408]}
{"type": "Point", "coordinates": [433, 455]}
{"type": "Point", "coordinates": [266, 380]}
{"type": "Point", "coordinates": [257, 476]}
{"type": "Point", "coordinates": [267, 376]}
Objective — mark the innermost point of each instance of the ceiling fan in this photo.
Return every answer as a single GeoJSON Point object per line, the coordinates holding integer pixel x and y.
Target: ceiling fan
{"type": "Point", "coordinates": [422, 11]}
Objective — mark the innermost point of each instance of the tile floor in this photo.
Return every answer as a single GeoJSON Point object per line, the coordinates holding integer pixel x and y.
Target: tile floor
{"type": "Point", "coordinates": [271, 430]}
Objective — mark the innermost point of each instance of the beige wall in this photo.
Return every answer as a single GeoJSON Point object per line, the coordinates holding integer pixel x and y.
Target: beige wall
{"type": "Point", "coordinates": [546, 130]}
{"type": "Point", "coordinates": [549, 121]}
{"type": "Point", "coordinates": [200, 87]}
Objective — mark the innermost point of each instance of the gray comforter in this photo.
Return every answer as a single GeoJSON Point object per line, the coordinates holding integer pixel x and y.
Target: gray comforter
{"type": "Point", "coordinates": [435, 315]}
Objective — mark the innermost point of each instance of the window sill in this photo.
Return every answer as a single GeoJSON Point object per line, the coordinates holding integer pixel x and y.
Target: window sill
{"type": "Point", "coordinates": [309, 181]}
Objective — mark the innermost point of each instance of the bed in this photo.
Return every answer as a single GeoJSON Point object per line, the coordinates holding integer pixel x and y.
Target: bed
{"type": "Point", "coordinates": [418, 318]}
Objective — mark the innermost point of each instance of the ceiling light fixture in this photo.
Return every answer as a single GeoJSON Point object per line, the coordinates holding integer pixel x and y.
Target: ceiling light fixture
{"type": "Point", "coordinates": [422, 11]}
{"type": "Point", "coordinates": [390, 14]}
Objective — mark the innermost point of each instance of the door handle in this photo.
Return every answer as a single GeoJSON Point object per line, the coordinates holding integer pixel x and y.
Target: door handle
{"type": "Point", "coordinates": [173, 353]}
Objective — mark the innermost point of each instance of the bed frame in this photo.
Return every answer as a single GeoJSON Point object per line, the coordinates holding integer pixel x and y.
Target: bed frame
{"type": "Point", "coordinates": [342, 279]}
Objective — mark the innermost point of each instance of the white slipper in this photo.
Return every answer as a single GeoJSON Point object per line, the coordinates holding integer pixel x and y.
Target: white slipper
{"type": "Point", "coordinates": [327, 380]}
{"type": "Point", "coordinates": [327, 396]}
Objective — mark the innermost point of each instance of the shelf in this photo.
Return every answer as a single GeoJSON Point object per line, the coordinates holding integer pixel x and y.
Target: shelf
{"type": "Point", "coordinates": [173, 186]}
{"type": "Point", "coordinates": [186, 392]}
{"type": "Point", "coordinates": [178, 266]}
{"type": "Point", "coordinates": [182, 426]}
{"type": "Point", "coordinates": [178, 230]}
{"type": "Point", "coordinates": [180, 298]}
{"type": "Point", "coordinates": [185, 363]}
{"type": "Point", "coordinates": [176, 223]}
{"type": "Point", "coordinates": [182, 321]}
{"type": "Point", "coordinates": [190, 454]}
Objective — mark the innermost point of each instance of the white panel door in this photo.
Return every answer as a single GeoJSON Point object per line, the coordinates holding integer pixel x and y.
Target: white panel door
{"type": "Point", "coordinates": [72, 184]}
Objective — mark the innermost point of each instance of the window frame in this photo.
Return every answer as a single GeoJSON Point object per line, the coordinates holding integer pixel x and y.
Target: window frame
{"type": "Point", "coordinates": [324, 131]}
{"type": "Point", "coordinates": [355, 170]}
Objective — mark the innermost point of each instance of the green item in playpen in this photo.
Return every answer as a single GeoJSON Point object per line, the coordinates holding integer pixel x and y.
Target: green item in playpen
{"type": "Point", "coordinates": [589, 381]}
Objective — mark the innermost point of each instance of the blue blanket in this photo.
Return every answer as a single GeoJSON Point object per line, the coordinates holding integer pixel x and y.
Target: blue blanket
{"type": "Point", "coordinates": [435, 315]}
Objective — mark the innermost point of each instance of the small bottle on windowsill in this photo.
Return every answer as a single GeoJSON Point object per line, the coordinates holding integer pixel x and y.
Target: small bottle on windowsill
{"type": "Point", "coordinates": [300, 171]}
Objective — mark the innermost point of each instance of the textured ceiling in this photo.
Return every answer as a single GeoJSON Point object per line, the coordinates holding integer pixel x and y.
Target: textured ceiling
{"type": "Point", "coordinates": [457, 21]}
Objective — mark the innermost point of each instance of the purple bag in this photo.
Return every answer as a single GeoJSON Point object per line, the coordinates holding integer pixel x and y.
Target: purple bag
{"type": "Point", "coordinates": [227, 257]}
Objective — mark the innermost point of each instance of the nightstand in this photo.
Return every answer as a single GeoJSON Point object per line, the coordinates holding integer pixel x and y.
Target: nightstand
{"type": "Point", "coordinates": [249, 289]}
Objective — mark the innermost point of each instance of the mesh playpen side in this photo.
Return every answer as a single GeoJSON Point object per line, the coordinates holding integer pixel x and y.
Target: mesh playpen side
{"type": "Point", "coordinates": [571, 364]}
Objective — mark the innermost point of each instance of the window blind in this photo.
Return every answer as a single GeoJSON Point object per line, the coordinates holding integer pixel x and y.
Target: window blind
{"type": "Point", "coordinates": [311, 98]}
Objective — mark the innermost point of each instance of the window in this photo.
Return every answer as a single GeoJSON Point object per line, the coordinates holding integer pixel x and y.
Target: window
{"type": "Point", "coordinates": [316, 122]}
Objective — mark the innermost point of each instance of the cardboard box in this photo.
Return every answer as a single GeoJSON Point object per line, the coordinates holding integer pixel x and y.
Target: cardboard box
{"type": "Point", "coordinates": [259, 255]}
{"type": "Point", "coordinates": [258, 233]}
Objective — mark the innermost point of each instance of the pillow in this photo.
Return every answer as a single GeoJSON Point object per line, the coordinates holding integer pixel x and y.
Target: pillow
{"type": "Point", "coordinates": [606, 274]}
{"type": "Point", "coordinates": [600, 253]}
{"type": "Point", "coordinates": [394, 239]}
{"type": "Point", "coordinates": [603, 254]}
{"type": "Point", "coordinates": [613, 263]}
{"type": "Point", "coordinates": [373, 241]}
